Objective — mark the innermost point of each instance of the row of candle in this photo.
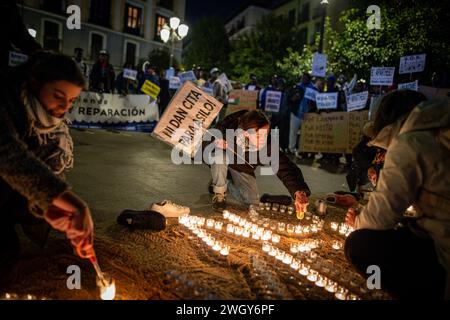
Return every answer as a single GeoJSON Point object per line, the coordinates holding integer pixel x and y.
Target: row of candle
{"type": "Point", "coordinates": [304, 246]}
{"type": "Point", "coordinates": [267, 206]}
{"type": "Point", "coordinates": [312, 275]}
{"type": "Point", "coordinates": [341, 228]}
{"type": "Point", "coordinates": [290, 229]}
{"type": "Point", "coordinates": [193, 222]}
{"type": "Point", "coordinates": [13, 296]}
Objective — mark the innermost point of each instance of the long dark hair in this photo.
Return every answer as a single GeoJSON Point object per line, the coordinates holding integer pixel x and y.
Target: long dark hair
{"type": "Point", "coordinates": [46, 67]}
{"type": "Point", "coordinates": [395, 105]}
{"type": "Point", "coordinates": [254, 119]}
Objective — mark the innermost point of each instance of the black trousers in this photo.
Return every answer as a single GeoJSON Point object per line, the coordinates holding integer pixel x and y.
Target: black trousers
{"type": "Point", "coordinates": [408, 263]}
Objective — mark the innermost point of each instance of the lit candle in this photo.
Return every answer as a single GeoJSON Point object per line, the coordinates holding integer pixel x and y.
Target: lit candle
{"type": "Point", "coordinates": [331, 286]}
{"type": "Point", "coordinates": [275, 207]}
{"type": "Point", "coordinates": [248, 225]}
{"type": "Point", "coordinates": [341, 293]}
{"type": "Point", "coordinates": [217, 246]}
{"type": "Point", "coordinates": [280, 255]}
{"type": "Point", "coordinates": [230, 228]}
{"type": "Point", "coordinates": [287, 259]}
{"type": "Point", "coordinates": [281, 226]}
{"type": "Point", "coordinates": [210, 223]}
{"type": "Point", "coordinates": [314, 229]}
{"type": "Point", "coordinates": [238, 231]}
{"type": "Point", "coordinates": [290, 228]}
{"type": "Point", "coordinates": [306, 230]}
{"type": "Point", "coordinates": [195, 231]}
{"type": "Point", "coordinates": [255, 236]}
{"type": "Point", "coordinates": [201, 221]}
{"type": "Point", "coordinates": [276, 238]}
{"type": "Point", "coordinates": [242, 222]}
{"type": "Point", "coordinates": [246, 233]}
{"type": "Point", "coordinates": [210, 242]}
{"type": "Point", "coordinates": [267, 235]}
{"type": "Point", "coordinates": [218, 225]}
{"type": "Point", "coordinates": [334, 226]}
{"type": "Point", "coordinates": [298, 229]}
{"type": "Point", "coordinates": [267, 205]}
{"type": "Point", "coordinates": [282, 208]}
{"type": "Point", "coordinates": [304, 270]}
{"type": "Point", "coordinates": [266, 247]}
{"type": "Point", "coordinates": [295, 264]}
{"type": "Point", "coordinates": [312, 276]}
{"type": "Point", "coordinates": [273, 251]}
{"type": "Point", "coordinates": [336, 245]}
{"type": "Point", "coordinates": [226, 214]}
{"type": "Point", "coordinates": [290, 210]}
{"type": "Point", "coordinates": [321, 281]}
{"type": "Point", "coordinates": [294, 248]}
{"type": "Point", "coordinates": [225, 250]}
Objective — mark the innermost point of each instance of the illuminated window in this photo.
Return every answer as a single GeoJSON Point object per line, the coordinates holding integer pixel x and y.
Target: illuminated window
{"type": "Point", "coordinates": [160, 22]}
{"type": "Point", "coordinates": [133, 20]}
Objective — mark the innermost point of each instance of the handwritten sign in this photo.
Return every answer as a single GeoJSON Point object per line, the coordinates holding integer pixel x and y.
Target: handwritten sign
{"type": "Point", "coordinates": [16, 58]}
{"type": "Point", "coordinates": [174, 83]}
{"type": "Point", "coordinates": [241, 100]}
{"type": "Point", "coordinates": [357, 101]}
{"type": "Point", "coordinates": [189, 114]}
{"type": "Point", "coordinates": [187, 76]}
{"type": "Point", "coordinates": [129, 74]}
{"type": "Point", "coordinates": [411, 64]}
{"type": "Point", "coordinates": [327, 100]}
{"type": "Point", "coordinates": [382, 76]}
{"type": "Point", "coordinates": [273, 101]}
{"type": "Point", "coordinates": [319, 65]}
{"type": "Point", "coordinates": [410, 85]}
{"type": "Point", "coordinates": [150, 89]}
{"type": "Point", "coordinates": [356, 122]}
{"type": "Point", "coordinates": [311, 94]}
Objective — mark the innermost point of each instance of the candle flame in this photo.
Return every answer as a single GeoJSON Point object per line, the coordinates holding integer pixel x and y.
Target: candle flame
{"type": "Point", "coordinates": [108, 292]}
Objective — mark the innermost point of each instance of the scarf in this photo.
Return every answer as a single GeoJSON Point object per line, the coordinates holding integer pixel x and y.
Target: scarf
{"type": "Point", "coordinates": [49, 130]}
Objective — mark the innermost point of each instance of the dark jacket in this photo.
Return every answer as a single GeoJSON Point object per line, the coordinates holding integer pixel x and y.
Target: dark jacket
{"type": "Point", "coordinates": [289, 173]}
{"type": "Point", "coordinates": [21, 168]}
{"type": "Point", "coordinates": [102, 79]}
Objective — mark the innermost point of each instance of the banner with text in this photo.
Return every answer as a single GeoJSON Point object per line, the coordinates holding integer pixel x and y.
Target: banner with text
{"type": "Point", "coordinates": [357, 101]}
{"type": "Point", "coordinates": [273, 101]}
{"type": "Point", "coordinates": [382, 76]}
{"type": "Point", "coordinates": [319, 65]}
{"type": "Point", "coordinates": [412, 64]}
{"type": "Point", "coordinates": [327, 100]}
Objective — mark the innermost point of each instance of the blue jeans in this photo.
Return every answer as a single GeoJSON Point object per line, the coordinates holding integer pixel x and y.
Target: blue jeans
{"type": "Point", "coordinates": [242, 186]}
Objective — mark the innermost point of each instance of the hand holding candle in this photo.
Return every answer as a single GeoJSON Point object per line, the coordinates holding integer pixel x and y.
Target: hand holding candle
{"type": "Point", "coordinates": [301, 203]}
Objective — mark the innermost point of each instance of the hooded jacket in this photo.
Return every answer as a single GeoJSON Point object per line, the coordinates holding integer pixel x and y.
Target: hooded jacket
{"type": "Point", "coordinates": [416, 173]}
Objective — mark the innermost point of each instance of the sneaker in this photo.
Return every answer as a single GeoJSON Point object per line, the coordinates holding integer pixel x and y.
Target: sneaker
{"type": "Point", "coordinates": [170, 209]}
{"type": "Point", "coordinates": [148, 220]}
{"type": "Point", "coordinates": [219, 202]}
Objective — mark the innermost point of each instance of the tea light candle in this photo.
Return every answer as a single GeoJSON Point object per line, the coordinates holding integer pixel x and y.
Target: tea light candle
{"type": "Point", "coordinates": [312, 276]}
{"type": "Point", "coordinates": [290, 228]}
{"type": "Point", "coordinates": [294, 248]}
{"type": "Point", "coordinates": [267, 235]}
{"type": "Point", "coordinates": [260, 232]}
{"type": "Point", "coordinates": [290, 210]}
{"type": "Point", "coordinates": [217, 246]}
{"type": "Point", "coordinates": [242, 222]}
{"type": "Point", "coordinates": [230, 228]}
{"type": "Point", "coordinates": [246, 233]}
{"type": "Point", "coordinates": [321, 281]}
{"type": "Point", "coordinates": [298, 230]}
{"type": "Point", "coordinates": [280, 255]}
{"type": "Point", "coordinates": [334, 226]}
{"type": "Point", "coordinates": [267, 205]}
{"type": "Point", "coordinates": [238, 231]}
{"type": "Point", "coordinates": [195, 231]}
{"type": "Point", "coordinates": [306, 229]}
{"type": "Point", "coordinates": [210, 223]}
{"type": "Point", "coordinates": [254, 228]}
{"type": "Point", "coordinates": [331, 286]}
{"type": "Point", "coordinates": [248, 225]}
{"type": "Point", "coordinates": [218, 225]}
{"type": "Point", "coordinates": [273, 251]}
{"type": "Point", "coordinates": [275, 207]}
{"type": "Point", "coordinates": [226, 214]}
{"type": "Point", "coordinates": [314, 229]}
{"type": "Point", "coordinates": [336, 245]}
{"type": "Point", "coordinates": [304, 270]}
{"type": "Point", "coordinates": [266, 247]}
{"type": "Point", "coordinates": [276, 238]}
{"type": "Point", "coordinates": [225, 250]}
{"type": "Point", "coordinates": [282, 208]}
{"type": "Point", "coordinates": [287, 259]}
{"type": "Point", "coordinates": [201, 221]}
{"type": "Point", "coordinates": [341, 293]}
{"type": "Point", "coordinates": [295, 264]}
{"type": "Point", "coordinates": [210, 242]}
{"type": "Point", "coordinates": [281, 226]}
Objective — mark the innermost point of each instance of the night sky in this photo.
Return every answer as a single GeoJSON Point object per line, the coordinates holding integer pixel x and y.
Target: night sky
{"type": "Point", "coordinates": [196, 9]}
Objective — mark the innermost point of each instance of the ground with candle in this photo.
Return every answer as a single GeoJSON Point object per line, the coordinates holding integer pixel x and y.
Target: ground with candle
{"type": "Point", "coordinates": [175, 263]}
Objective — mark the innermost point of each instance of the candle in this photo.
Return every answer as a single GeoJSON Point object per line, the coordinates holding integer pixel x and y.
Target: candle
{"type": "Point", "coordinates": [282, 208]}
{"type": "Point", "coordinates": [287, 259]}
{"type": "Point", "coordinates": [304, 270]}
{"type": "Point", "coordinates": [321, 281]}
{"type": "Point", "coordinates": [254, 228]}
{"type": "Point", "coordinates": [313, 255]}
{"type": "Point", "coordinates": [281, 226]}
{"type": "Point", "coordinates": [217, 246]}
{"type": "Point", "coordinates": [255, 236]}
{"type": "Point", "coordinates": [275, 207]}
{"type": "Point", "coordinates": [306, 230]}
{"type": "Point", "coordinates": [242, 222]}
{"type": "Point", "coordinates": [294, 248]}
{"type": "Point", "coordinates": [266, 247]}
{"type": "Point", "coordinates": [314, 229]}
{"type": "Point", "coordinates": [290, 210]}
{"type": "Point", "coordinates": [331, 286]}
{"type": "Point", "coordinates": [265, 222]}
{"type": "Point", "coordinates": [267, 205]}
{"type": "Point", "coordinates": [280, 255]}
{"type": "Point", "coordinates": [230, 228]}
{"type": "Point", "coordinates": [273, 225]}
{"type": "Point", "coordinates": [108, 292]}
{"type": "Point", "coordinates": [290, 228]}
{"type": "Point", "coordinates": [248, 225]}
{"type": "Point", "coordinates": [261, 206]}
{"type": "Point", "coordinates": [341, 293]}
{"type": "Point", "coordinates": [226, 214]}
{"type": "Point", "coordinates": [267, 235]}
{"type": "Point", "coordinates": [218, 225]}
{"type": "Point", "coordinates": [298, 229]}
{"type": "Point", "coordinates": [246, 233]}
{"type": "Point", "coordinates": [273, 251]}
{"type": "Point", "coordinates": [336, 245]}
{"type": "Point", "coordinates": [210, 223]}
{"type": "Point", "coordinates": [312, 276]}
{"type": "Point", "coordinates": [295, 264]}
{"type": "Point", "coordinates": [225, 250]}
{"type": "Point", "coordinates": [210, 242]}
{"type": "Point", "coordinates": [334, 226]}
{"type": "Point", "coordinates": [238, 231]}
{"type": "Point", "coordinates": [276, 238]}
{"type": "Point", "coordinates": [195, 231]}
{"type": "Point", "coordinates": [201, 221]}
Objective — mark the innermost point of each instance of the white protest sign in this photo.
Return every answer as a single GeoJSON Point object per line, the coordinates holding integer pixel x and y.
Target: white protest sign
{"type": "Point", "coordinates": [382, 76]}
{"type": "Point", "coordinates": [189, 114]}
{"type": "Point", "coordinates": [357, 101]}
{"type": "Point", "coordinates": [224, 80]}
{"type": "Point", "coordinates": [16, 58]}
{"type": "Point", "coordinates": [327, 100]}
{"type": "Point", "coordinates": [311, 94]}
{"type": "Point", "coordinates": [174, 83]}
{"type": "Point", "coordinates": [170, 73]}
{"type": "Point", "coordinates": [273, 101]}
{"type": "Point", "coordinates": [187, 76]}
{"type": "Point", "coordinates": [410, 85]}
{"type": "Point", "coordinates": [373, 108]}
{"type": "Point", "coordinates": [319, 65]}
{"type": "Point", "coordinates": [208, 90]}
{"type": "Point", "coordinates": [411, 64]}
{"type": "Point", "coordinates": [129, 74]}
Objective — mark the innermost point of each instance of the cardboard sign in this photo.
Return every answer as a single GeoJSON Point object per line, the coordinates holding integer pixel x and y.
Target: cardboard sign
{"type": "Point", "coordinates": [382, 76]}
{"type": "Point", "coordinates": [411, 64]}
{"type": "Point", "coordinates": [187, 76]}
{"type": "Point", "coordinates": [150, 89]}
{"type": "Point", "coordinates": [319, 65]}
{"type": "Point", "coordinates": [311, 94]}
{"type": "Point", "coordinates": [241, 100]}
{"type": "Point", "coordinates": [357, 101]}
{"type": "Point", "coordinates": [174, 83]}
{"type": "Point", "coordinates": [327, 100]}
{"type": "Point", "coordinates": [410, 85]}
{"type": "Point", "coordinates": [273, 101]}
{"type": "Point", "coordinates": [356, 122]}
{"type": "Point", "coordinates": [189, 114]}
{"type": "Point", "coordinates": [16, 58]}
{"type": "Point", "coordinates": [129, 74]}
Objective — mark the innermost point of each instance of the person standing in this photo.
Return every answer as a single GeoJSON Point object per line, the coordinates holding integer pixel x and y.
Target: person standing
{"type": "Point", "coordinates": [78, 58]}
{"type": "Point", "coordinates": [102, 76]}
{"type": "Point", "coordinates": [219, 91]}
{"type": "Point", "coordinates": [253, 84]}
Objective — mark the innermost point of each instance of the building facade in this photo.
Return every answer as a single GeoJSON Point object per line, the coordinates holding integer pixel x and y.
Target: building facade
{"type": "Point", "coordinates": [307, 15]}
{"type": "Point", "coordinates": [245, 21]}
{"type": "Point", "coordinates": [128, 29]}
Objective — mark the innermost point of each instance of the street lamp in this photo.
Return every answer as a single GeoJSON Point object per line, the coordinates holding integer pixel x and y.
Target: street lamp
{"type": "Point", "coordinates": [324, 3]}
{"type": "Point", "coordinates": [173, 31]}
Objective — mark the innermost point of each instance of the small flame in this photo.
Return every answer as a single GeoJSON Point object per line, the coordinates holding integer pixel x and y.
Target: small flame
{"type": "Point", "coordinates": [108, 292]}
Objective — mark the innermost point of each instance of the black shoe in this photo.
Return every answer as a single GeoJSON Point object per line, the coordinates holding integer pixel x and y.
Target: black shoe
{"type": "Point", "coordinates": [219, 202]}
{"type": "Point", "coordinates": [144, 220]}
{"type": "Point", "coordinates": [280, 199]}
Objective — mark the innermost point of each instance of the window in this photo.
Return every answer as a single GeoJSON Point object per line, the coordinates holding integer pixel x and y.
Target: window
{"type": "Point", "coordinates": [100, 12]}
{"type": "Point", "coordinates": [51, 36]}
{"type": "Point", "coordinates": [97, 44]}
{"type": "Point", "coordinates": [303, 36]}
{"type": "Point", "coordinates": [291, 17]}
{"type": "Point", "coordinates": [167, 4]}
{"type": "Point", "coordinates": [304, 13]}
{"type": "Point", "coordinates": [133, 19]}
{"type": "Point", "coordinates": [160, 22]}
{"type": "Point", "coordinates": [56, 6]}
{"type": "Point", "coordinates": [130, 53]}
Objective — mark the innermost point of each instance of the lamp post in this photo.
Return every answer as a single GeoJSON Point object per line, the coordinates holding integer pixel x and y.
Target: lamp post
{"type": "Point", "coordinates": [324, 4]}
{"type": "Point", "coordinates": [173, 31]}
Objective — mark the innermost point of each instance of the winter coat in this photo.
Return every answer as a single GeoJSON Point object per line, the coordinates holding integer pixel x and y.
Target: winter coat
{"type": "Point", "coordinates": [416, 172]}
{"type": "Point", "coordinates": [289, 173]}
{"type": "Point", "coordinates": [21, 167]}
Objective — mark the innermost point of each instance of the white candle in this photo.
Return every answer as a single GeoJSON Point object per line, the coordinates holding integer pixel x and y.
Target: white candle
{"type": "Point", "coordinates": [267, 235]}
{"type": "Point", "coordinates": [255, 236]}
{"type": "Point", "coordinates": [225, 250]}
{"type": "Point", "coordinates": [294, 248]}
{"type": "Point", "coordinates": [210, 223]}
{"type": "Point", "coordinates": [321, 281]}
{"type": "Point", "coordinates": [334, 226]}
{"type": "Point", "coordinates": [276, 238]}
{"type": "Point", "coordinates": [331, 286]}
{"type": "Point", "coordinates": [210, 242]}
{"type": "Point", "coordinates": [226, 214]}
{"type": "Point", "coordinates": [336, 245]}
{"type": "Point", "coordinates": [273, 252]}
{"type": "Point", "coordinates": [230, 228]}
{"type": "Point", "coordinates": [238, 231]}
{"type": "Point", "coordinates": [281, 226]}
{"type": "Point", "coordinates": [280, 255]}
{"type": "Point", "coordinates": [287, 259]}
{"type": "Point", "coordinates": [312, 276]}
{"type": "Point", "coordinates": [298, 229]}
{"type": "Point", "coordinates": [295, 264]}
{"type": "Point", "coordinates": [246, 234]}
{"type": "Point", "coordinates": [290, 228]}
{"type": "Point", "coordinates": [218, 225]}
{"type": "Point", "coordinates": [304, 270]}
{"type": "Point", "coordinates": [266, 247]}
{"type": "Point", "coordinates": [341, 294]}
